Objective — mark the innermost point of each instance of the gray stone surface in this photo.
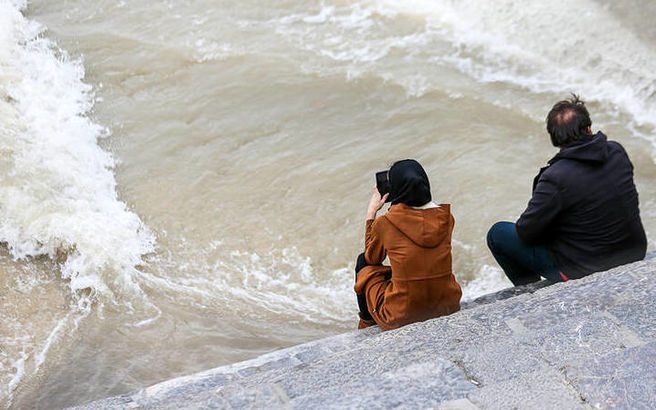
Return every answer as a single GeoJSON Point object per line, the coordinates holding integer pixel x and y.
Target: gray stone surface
{"type": "Point", "coordinates": [589, 343]}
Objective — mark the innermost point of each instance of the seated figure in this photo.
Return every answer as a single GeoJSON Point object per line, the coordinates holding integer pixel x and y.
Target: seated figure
{"type": "Point", "coordinates": [583, 216]}
{"type": "Point", "coordinates": [416, 236]}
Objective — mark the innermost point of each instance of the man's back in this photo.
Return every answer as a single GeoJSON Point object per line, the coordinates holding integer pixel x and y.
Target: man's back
{"type": "Point", "coordinates": [584, 209]}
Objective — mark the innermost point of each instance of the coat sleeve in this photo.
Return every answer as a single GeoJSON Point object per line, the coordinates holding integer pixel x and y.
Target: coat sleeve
{"type": "Point", "coordinates": [545, 205]}
{"type": "Point", "coordinates": [374, 252]}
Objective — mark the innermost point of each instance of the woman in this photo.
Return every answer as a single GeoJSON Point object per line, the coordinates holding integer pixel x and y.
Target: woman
{"type": "Point", "coordinates": [416, 236]}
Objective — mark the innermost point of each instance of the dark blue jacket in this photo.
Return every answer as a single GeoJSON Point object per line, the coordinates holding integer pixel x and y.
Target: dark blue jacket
{"type": "Point", "coordinates": [584, 209]}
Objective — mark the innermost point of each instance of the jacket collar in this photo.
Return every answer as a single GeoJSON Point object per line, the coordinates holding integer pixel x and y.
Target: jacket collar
{"type": "Point", "coordinates": [591, 148]}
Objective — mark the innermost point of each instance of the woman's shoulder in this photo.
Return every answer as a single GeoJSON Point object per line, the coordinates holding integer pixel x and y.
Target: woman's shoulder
{"type": "Point", "coordinates": [380, 220]}
{"type": "Point", "coordinates": [381, 223]}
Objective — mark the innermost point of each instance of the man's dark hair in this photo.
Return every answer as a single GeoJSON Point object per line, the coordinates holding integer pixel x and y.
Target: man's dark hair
{"type": "Point", "coordinates": [568, 121]}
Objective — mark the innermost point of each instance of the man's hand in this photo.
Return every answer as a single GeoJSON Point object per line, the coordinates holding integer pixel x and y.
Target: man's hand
{"type": "Point", "coordinates": [375, 203]}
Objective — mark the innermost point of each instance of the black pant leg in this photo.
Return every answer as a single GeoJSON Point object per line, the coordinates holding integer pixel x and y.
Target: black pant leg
{"type": "Point", "coordinates": [361, 263]}
{"type": "Point", "coordinates": [362, 299]}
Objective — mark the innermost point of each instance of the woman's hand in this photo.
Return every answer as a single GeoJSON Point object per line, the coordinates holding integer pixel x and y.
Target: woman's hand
{"type": "Point", "coordinates": [375, 203]}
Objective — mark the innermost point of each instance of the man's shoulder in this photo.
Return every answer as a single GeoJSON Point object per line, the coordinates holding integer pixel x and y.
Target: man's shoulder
{"type": "Point", "coordinates": [616, 146]}
{"type": "Point", "coordinates": [559, 169]}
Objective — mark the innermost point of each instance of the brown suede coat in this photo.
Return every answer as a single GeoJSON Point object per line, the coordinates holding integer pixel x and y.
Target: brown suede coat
{"type": "Point", "coordinates": [422, 285]}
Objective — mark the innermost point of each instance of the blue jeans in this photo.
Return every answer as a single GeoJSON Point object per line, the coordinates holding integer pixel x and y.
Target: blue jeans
{"type": "Point", "coordinates": [522, 263]}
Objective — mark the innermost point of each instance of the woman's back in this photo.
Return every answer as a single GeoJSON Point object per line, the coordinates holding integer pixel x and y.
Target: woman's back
{"type": "Point", "coordinates": [418, 243]}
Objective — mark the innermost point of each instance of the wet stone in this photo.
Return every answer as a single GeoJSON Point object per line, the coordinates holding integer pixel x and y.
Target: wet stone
{"type": "Point", "coordinates": [311, 355]}
{"type": "Point", "coordinates": [543, 389]}
{"type": "Point", "coordinates": [278, 364]}
{"type": "Point", "coordinates": [589, 343]}
{"type": "Point", "coordinates": [198, 386]}
{"type": "Point", "coordinates": [625, 379]}
{"type": "Point", "coordinates": [418, 385]}
{"type": "Point", "coordinates": [458, 404]}
{"type": "Point", "coordinates": [637, 316]}
{"type": "Point", "coordinates": [505, 294]}
{"type": "Point", "coordinates": [493, 360]}
{"type": "Point", "coordinates": [249, 371]}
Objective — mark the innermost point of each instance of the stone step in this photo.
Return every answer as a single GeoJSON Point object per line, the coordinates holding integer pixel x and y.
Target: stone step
{"type": "Point", "coordinates": [287, 360]}
{"type": "Point", "coordinates": [571, 345]}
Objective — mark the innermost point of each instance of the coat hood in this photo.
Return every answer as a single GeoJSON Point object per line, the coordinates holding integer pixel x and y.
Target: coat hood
{"type": "Point", "coordinates": [425, 227]}
{"type": "Point", "coordinates": [593, 148]}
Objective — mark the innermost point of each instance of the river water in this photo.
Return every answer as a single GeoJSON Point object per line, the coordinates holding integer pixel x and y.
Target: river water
{"type": "Point", "coordinates": [184, 182]}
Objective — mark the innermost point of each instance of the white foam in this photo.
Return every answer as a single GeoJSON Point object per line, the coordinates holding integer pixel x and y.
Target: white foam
{"type": "Point", "coordinates": [19, 367]}
{"type": "Point", "coordinates": [285, 282]}
{"type": "Point", "coordinates": [67, 325]}
{"type": "Point", "coordinates": [30, 354]}
{"type": "Point", "coordinates": [488, 279]}
{"type": "Point", "coordinates": [280, 281]}
{"type": "Point", "coordinates": [554, 47]}
{"type": "Point", "coordinates": [57, 190]}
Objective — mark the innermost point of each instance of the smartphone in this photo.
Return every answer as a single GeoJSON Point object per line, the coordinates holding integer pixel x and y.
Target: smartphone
{"type": "Point", "coordinates": [382, 183]}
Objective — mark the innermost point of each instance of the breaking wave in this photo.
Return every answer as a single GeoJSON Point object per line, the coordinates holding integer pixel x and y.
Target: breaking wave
{"type": "Point", "coordinates": [553, 47]}
{"type": "Point", "coordinates": [57, 189]}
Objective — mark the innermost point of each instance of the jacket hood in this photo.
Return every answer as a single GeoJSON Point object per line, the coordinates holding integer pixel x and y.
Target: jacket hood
{"type": "Point", "coordinates": [425, 227]}
{"type": "Point", "coordinates": [592, 148]}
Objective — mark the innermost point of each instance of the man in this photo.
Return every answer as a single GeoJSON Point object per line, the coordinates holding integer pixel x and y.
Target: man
{"type": "Point", "coordinates": [583, 216]}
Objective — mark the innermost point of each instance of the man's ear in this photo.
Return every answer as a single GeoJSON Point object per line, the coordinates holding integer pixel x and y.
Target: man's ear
{"type": "Point", "coordinates": [589, 130]}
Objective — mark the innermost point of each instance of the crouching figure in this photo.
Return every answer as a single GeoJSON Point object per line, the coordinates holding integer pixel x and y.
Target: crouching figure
{"type": "Point", "coordinates": [583, 216]}
{"type": "Point", "coordinates": [416, 236]}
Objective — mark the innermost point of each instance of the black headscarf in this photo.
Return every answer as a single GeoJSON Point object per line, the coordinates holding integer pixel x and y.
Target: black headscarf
{"type": "Point", "coordinates": [409, 183]}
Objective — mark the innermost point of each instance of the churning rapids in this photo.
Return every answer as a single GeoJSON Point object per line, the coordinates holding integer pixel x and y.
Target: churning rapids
{"type": "Point", "coordinates": [183, 183]}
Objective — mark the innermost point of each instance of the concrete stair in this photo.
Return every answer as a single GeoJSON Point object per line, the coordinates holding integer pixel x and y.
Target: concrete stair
{"type": "Point", "coordinates": [589, 343]}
